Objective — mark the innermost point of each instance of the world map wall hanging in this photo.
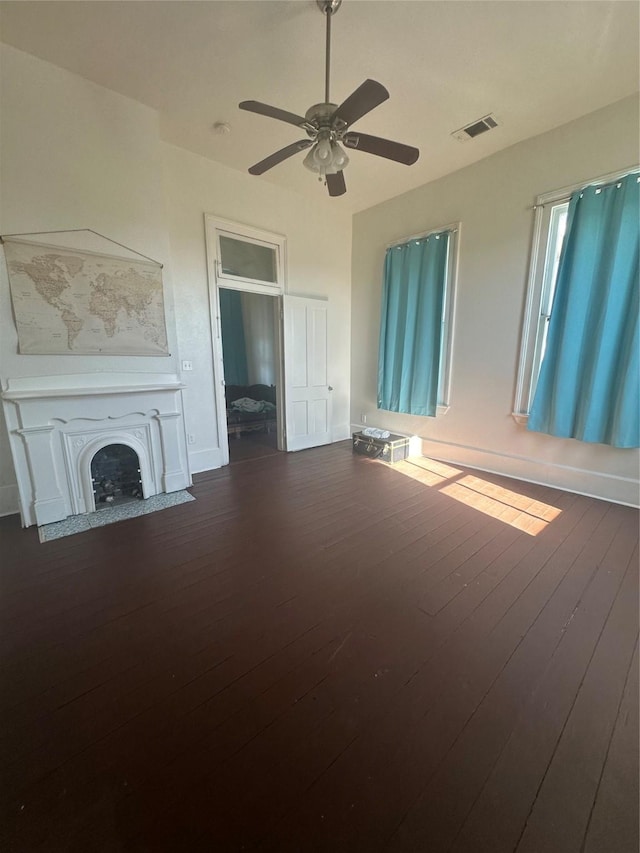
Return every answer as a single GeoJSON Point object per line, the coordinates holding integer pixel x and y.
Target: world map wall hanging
{"type": "Point", "coordinates": [74, 301]}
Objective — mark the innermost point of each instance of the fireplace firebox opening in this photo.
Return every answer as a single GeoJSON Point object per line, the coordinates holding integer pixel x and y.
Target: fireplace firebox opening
{"type": "Point", "coordinates": [115, 474]}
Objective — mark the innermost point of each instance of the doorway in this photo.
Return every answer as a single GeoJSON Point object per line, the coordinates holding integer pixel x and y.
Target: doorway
{"type": "Point", "coordinates": [250, 355]}
{"type": "Point", "coordinates": [283, 343]}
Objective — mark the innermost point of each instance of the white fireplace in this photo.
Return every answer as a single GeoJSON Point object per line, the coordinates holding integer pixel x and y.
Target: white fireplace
{"type": "Point", "coordinates": [57, 424]}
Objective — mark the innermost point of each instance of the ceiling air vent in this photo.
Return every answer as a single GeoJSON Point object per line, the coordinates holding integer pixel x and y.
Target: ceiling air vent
{"type": "Point", "coordinates": [470, 131]}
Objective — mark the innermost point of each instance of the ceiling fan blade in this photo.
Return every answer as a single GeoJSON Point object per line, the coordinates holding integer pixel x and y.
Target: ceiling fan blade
{"type": "Point", "coordinates": [336, 184]}
{"type": "Point", "coordinates": [367, 96]}
{"type": "Point", "coordinates": [273, 112]}
{"type": "Point", "coordinates": [273, 159]}
{"type": "Point", "coordinates": [381, 147]}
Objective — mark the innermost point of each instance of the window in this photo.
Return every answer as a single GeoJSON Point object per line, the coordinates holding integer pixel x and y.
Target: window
{"type": "Point", "coordinates": [550, 222]}
{"type": "Point", "coordinates": [247, 260]}
{"type": "Point", "coordinates": [557, 227]}
{"type": "Point", "coordinates": [416, 326]}
{"type": "Point", "coordinates": [246, 256]}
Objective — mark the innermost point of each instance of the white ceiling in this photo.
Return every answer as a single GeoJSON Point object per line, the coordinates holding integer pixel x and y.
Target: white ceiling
{"type": "Point", "coordinates": [534, 64]}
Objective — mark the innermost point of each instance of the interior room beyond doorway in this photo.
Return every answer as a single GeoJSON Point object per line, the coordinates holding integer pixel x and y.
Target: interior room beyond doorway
{"type": "Point", "coordinates": [251, 368]}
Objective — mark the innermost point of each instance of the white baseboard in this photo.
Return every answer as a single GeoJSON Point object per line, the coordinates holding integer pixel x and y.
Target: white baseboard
{"type": "Point", "coordinates": [204, 460]}
{"type": "Point", "coordinates": [593, 484]}
{"type": "Point", "coordinates": [9, 500]}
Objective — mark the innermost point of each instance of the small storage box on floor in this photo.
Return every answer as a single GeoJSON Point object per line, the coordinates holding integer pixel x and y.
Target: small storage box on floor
{"type": "Point", "coordinates": [395, 448]}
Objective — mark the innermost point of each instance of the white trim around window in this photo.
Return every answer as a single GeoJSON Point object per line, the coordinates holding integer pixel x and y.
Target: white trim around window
{"type": "Point", "coordinates": [448, 320]}
{"type": "Point", "coordinates": [550, 211]}
{"type": "Point", "coordinates": [276, 243]}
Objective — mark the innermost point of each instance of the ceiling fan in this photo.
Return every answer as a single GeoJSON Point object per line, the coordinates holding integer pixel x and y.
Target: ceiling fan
{"type": "Point", "coordinates": [327, 125]}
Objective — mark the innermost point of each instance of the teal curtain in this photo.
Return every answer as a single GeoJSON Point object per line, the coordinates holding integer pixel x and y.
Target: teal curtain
{"type": "Point", "coordinates": [234, 348]}
{"type": "Point", "coordinates": [411, 325]}
{"type": "Point", "coordinates": [589, 377]}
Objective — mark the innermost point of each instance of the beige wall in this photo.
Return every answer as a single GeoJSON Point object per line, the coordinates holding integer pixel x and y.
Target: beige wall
{"type": "Point", "coordinates": [493, 202]}
{"type": "Point", "coordinates": [76, 155]}
{"type": "Point", "coordinates": [319, 259]}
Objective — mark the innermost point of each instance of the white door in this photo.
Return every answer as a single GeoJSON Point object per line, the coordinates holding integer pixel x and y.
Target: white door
{"type": "Point", "coordinates": [307, 392]}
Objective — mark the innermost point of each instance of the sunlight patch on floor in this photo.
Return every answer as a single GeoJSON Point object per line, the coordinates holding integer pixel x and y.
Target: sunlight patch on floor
{"type": "Point", "coordinates": [518, 510]}
{"type": "Point", "coordinates": [513, 508]}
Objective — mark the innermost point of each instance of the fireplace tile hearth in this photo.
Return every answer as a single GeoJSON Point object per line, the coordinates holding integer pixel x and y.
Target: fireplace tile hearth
{"type": "Point", "coordinates": [100, 518]}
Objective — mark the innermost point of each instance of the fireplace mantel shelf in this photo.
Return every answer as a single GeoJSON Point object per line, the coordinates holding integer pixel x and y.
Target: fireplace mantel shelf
{"type": "Point", "coordinates": [93, 391]}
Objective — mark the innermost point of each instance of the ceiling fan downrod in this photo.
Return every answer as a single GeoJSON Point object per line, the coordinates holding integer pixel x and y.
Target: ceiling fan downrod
{"type": "Point", "coordinates": [328, 8]}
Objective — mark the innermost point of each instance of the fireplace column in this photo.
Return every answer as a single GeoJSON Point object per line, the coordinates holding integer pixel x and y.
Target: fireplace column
{"type": "Point", "coordinates": [48, 501]}
{"type": "Point", "coordinates": [173, 468]}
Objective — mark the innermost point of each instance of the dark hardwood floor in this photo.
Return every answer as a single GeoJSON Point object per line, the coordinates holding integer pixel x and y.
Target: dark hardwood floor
{"type": "Point", "coordinates": [248, 446]}
{"type": "Point", "coordinates": [322, 653]}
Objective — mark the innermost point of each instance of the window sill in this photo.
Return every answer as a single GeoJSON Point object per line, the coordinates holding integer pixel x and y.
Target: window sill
{"type": "Point", "coordinates": [440, 410]}
{"type": "Point", "coordinates": [521, 418]}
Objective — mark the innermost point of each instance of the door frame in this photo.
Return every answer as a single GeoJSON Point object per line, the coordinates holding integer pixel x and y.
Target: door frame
{"type": "Point", "coordinates": [213, 226]}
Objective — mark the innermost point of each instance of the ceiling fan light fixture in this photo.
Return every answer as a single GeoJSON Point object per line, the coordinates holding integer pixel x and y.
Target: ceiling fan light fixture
{"type": "Point", "coordinates": [322, 153]}
{"type": "Point", "coordinates": [326, 158]}
{"type": "Point", "coordinates": [310, 162]}
{"type": "Point", "coordinates": [340, 158]}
